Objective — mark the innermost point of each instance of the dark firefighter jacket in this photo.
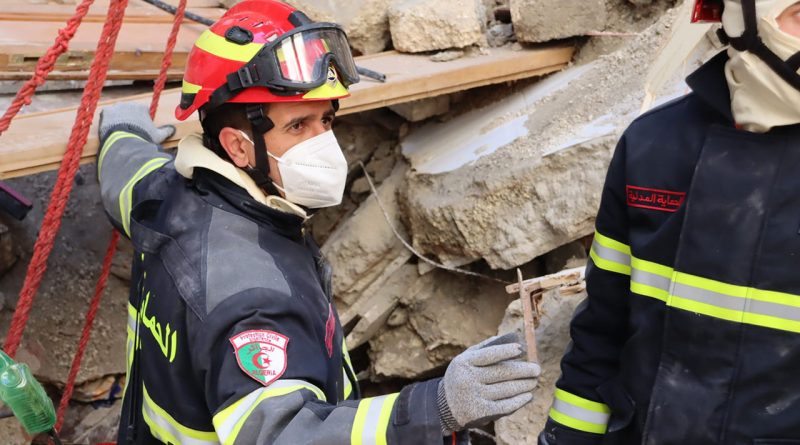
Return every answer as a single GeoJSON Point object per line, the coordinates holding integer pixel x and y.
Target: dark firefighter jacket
{"type": "Point", "coordinates": [227, 295]}
{"type": "Point", "coordinates": [691, 331]}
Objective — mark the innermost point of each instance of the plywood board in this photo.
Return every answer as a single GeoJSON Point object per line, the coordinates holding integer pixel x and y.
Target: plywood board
{"type": "Point", "coordinates": [137, 11]}
{"type": "Point", "coordinates": [139, 47]}
{"type": "Point", "coordinates": [36, 142]}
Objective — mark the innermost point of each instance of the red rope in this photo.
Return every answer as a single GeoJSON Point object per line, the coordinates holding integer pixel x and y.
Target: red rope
{"type": "Point", "coordinates": [112, 246]}
{"type": "Point", "coordinates": [167, 60]}
{"type": "Point", "coordinates": [69, 167]}
{"type": "Point", "coordinates": [66, 174]}
{"type": "Point", "coordinates": [87, 328]}
{"type": "Point", "coordinates": [45, 65]}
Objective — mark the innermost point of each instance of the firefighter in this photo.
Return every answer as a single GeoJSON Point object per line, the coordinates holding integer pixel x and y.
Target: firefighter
{"type": "Point", "coordinates": [691, 330]}
{"type": "Point", "coordinates": [232, 334]}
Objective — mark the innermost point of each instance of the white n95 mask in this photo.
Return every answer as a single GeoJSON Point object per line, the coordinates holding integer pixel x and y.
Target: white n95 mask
{"type": "Point", "coordinates": [314, 172]}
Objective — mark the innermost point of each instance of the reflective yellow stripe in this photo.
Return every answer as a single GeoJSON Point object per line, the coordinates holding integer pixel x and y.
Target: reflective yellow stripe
{"type": "Point", "coordinates": [372, 420]}
{"type": "Point", "coordinates": [348, 386]}
{"type": "Point", "coordinates": [731, 302]}
{"type": "Point", "coordinates": [609, 265]}
{"type": "Point", "coordinates": [190, 88]}
{"type": "Point", "coordinates": [220, 47]}
{"type": "Point", "coordinates": [130, 344]}
{"type": "Point", "coordinates": [111, 140]}
{"type": "Point", "coordinates": [126, 195]}
{"type": "Point", "coordinates": [228, 422]}
{"type": "Point", "coordinates": [579, 413]}
{"type": "Point", "coordinates": [385, 417]}
{"type": "Point", "coordinates": [165, 427]}
{"type": "Point", "coordinates": [360, 422]}
{"type": "Point", "coordinates": [612, 244]}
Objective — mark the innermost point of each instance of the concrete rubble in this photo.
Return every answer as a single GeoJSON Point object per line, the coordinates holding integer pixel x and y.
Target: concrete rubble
{"type": "Point", "coordinates": [366, 21]}
{"type": "Point", "coordinates": [544, 20]}
{"type": "Point", "coordinates": [552, 336]}
{"type": "Point", "coordinates": [487, 179]}
{"type": "Point", "coordinates": [421, 25]}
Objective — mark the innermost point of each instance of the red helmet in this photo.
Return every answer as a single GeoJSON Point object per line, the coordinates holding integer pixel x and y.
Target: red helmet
{"type": "Point", "coordinates": [264, 51]}
{"type": "Point", "coordinates": [707, 11]}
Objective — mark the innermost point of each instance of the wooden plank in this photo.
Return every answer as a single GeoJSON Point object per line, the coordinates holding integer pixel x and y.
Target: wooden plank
{"type": "Point", "coordinates": [189, 4]}
{"type": "Point", "coordinates": [140, 46]}
{"type": "Point", "coordinates": [137, 11]}
{"type": "Point", "coordinates": [36, 142]}
{"type": "Point", "coordinates": [174, 74]}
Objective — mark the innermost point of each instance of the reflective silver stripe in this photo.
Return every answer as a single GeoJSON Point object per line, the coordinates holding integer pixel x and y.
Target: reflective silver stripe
{"type": "Point", "coordinates": [774, 310]}
{"type": "Point", "coordinates": [740, 304]}
{"type": "Point", "coordinates": [161, 426]}
{"type": "Point", "coordinates": [372, 423]}
{"type": "Point", "coordinates": [580, 413]}
{"type": "Point", "coordinates": [709, 297]}
{"type": "Point", "coordinates": [650, 279]}
{"type": "Point", "coordinates": [611, 254]}
{"type": "Point", "coordinates": [231, 417]}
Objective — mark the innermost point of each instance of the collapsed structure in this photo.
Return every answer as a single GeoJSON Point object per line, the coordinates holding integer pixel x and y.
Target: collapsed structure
{"type": "Point", "coordinates": [484, 179]}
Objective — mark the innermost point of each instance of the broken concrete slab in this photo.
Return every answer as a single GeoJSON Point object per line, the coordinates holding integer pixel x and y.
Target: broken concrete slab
{"type": "Point", "coordinates": [552, 337]}
{"type": "Point", "coordinates": [539, 21]}
{"type": "Point", "coordinates": [58, 314]}
{"type": "Point", "coordinates": [420, 110]}
{"type": "Point", "coordinates": [422, 25]}
{"type": "Point", "coordinates": [436, 307]}
{"type": "Point", "coordinates": [366, 22]}
{"type": "Point", "coordinates": [380, 303]}
{"type": "Point", "coordinates": [514, 180]}
{"type": "Point", "coordinates": [364, 250]}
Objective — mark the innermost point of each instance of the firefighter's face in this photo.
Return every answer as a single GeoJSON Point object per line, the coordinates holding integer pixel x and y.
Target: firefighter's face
{"type": "Point", "coordinates": [789, 20]}
{"type": "Point", "coordinates": [295, 122]}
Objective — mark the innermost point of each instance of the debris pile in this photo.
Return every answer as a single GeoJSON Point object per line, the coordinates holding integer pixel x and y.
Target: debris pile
{"type": "Point", "coordinates": [455, 181]}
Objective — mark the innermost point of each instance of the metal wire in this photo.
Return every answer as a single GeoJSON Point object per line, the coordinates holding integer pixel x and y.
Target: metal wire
{"type": "Point", "coordinates": [172, 10]}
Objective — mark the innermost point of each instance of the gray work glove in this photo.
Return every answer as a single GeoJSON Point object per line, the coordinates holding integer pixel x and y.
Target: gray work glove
{"type": "Point", "coordinates": [486, 382]}
{"type": "Point", "coordinates": [134, 118]}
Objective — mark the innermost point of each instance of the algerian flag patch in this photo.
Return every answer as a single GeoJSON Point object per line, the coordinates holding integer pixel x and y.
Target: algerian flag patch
{"type": "Point", "coordinates": [261, 354]}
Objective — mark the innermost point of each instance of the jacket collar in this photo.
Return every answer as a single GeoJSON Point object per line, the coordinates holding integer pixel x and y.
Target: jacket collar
{"type": "Point", "coordinates": [711, 86]}
{"type": "Point", "coordinates": [226, 186]}
{"type": "Point", "coordinates": [193, 154]}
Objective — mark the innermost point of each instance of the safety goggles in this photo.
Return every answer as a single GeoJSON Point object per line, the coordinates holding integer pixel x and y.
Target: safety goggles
{"type": "Point", "coordinates": [707, 11]}
{"type": "Point", "coordinates": [301, 60]}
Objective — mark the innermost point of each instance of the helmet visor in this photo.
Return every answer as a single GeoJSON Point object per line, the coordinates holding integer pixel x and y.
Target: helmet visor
{"type": "Point", "coordinates": [304, 57]}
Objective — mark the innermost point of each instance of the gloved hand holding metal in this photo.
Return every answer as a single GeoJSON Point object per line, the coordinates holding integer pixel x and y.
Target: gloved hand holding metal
{"type": "Point", "coordinates": [134, 117]}
{"type": "Point", "coordinates": [486, 382]}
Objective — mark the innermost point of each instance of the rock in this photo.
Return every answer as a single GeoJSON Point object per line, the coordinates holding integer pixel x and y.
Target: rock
{"type": "Point", "coordinates": [59, 310]}
{"type": "Point", "coordinates": [423, 109]}
{"type": "Point", "coordinates": [438, 306]}
{"type": "Point", "coordinates": [364, 250]}
{"type": "Point", "coordinates": [552, 336]}
{"type": "Point", "coordinates": [12, 433]}
{"type": "Point", "coordinates": [399, 352]}
{"type": "Point", "coordinates": [544, 20]}
{"type": "Point", "coordinates": [448, 55]}
{"type": "Point", "coordinates": [360, 138]}
{"type": "Point", "coordinates": [8, 255]}
{"type": "Point", "coordinates": [98, 425]}
{"type": "Point", "coordinates": [366, 21]}
{"type": "Point", "coordinates": [568, 256]}
{"type": "Point", "coordinates": [380, 306]}
{"type": "Point", "coordinates": [514, 180]}
{"type": "Point", "coordinates": [500, 34]}
{"type": "Point", "coordinates": [422, 25]}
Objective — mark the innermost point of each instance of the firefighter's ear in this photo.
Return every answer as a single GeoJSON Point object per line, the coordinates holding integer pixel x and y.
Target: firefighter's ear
{"type": "Point", "coordinates": [237, 145]}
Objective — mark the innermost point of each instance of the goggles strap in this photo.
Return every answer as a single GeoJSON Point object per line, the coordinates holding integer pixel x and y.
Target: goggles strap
{"type": "Point", "coordinates": [751, 41]}
{"type": "Point", "coordinates": [260, 125]}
